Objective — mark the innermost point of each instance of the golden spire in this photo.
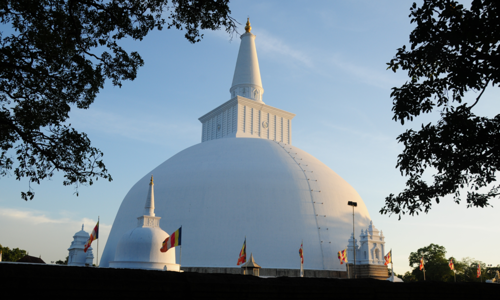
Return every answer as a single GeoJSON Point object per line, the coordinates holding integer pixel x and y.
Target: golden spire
{"type": "Point", "coordinates": [248, 28]}
{"type": "Point", "coordinates": [151, 182]}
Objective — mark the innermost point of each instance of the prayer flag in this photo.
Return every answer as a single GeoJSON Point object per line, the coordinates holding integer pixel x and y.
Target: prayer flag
{"type": "Point", "coordinates": [421, 263]}
{"type": "Point", "coordinates": [243, 254]}
{"type": "Point", "coordinates": [478, 270]}
{"type": "Point", "coordinates": [172, 241]}
{"type": "Point", "coordinates": [301, 253]}
{"type": "Point", "coordinates": [93, 236]}
{"type": "Point", "coordinates": [451, 264]}
{"type": "Point", "coordinates": [388, 258]}
{"type": "Point", "coordinates": [343, 256]}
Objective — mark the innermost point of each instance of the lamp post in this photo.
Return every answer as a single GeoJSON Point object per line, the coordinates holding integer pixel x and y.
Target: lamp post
{"type": "Point", "coordinates": [353, 204]}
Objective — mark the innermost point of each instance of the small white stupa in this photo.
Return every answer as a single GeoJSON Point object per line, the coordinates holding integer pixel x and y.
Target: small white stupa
{"type": "Point", "coordinates": [139, 248]}
{"type": "Point", "coordinates": [89, 260]}
{"type": "Point", "coordinates": [370, 261]}
{"type": "Point", "coordinates": [77, 255]}
{"type": "Point", "coordinates": [371, 249]}
{"type": "Point", "coordinates": [372, 246]}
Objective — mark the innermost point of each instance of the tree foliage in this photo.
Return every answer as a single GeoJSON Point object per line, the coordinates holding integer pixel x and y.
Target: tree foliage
{"type": "Point", "coordinates": [453, 51]}
{"type": "Point", "coordinates": [435, 263]}
{"type": "Point", "coordinates": [57, 55]}
{"type": "Point", "coordinates": [409, 277]}
{"type": "Point", "coordinates": [60, 262]}
{"type": "Point", "coordinates": [14, 254]}
{"type": "Point", "coordinates": [437, 267]}
{"type": "Point", "coordinates": [467, 270]}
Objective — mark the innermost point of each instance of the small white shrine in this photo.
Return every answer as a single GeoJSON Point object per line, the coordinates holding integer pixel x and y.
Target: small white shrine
{"type": "Point", "coordinates": [370, 262]}
{"type": "Point", "coordinates": [371, 250]}
{"type": "Point", "coordinates": [140, 247]}
{"type": "Point", "coordinates": [77, 255]}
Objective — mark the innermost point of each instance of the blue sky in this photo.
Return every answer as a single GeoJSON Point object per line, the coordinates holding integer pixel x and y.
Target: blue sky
{"type": "Point", "coordinates": [322, 60]}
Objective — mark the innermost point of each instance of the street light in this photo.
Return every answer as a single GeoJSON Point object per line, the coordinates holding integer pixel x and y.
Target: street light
{"type": "Point", "coordinates": [353, 204]}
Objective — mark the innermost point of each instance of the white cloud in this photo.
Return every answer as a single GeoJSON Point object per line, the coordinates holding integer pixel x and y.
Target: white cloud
{"type": "Point", "coordinates": [41, 218]}
{"type": "Point", "coordinates": [145, 129]}
{"type": "Point", "coordinates": [271, 44]}
{"type": "Point", "coordinates": [32, 217]}
{"type": "Point", "coordinates": [376, 78]}
{"type": "Point", "coordinates": [321, 63]}
{"type": "Point", "coordinates": [363, 135]}
{"type": "Point", "coordinates": [44, 235]}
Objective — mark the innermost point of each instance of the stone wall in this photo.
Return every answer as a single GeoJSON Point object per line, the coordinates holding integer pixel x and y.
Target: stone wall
{"type": "Point", "coordinates": [379, 272]}
{"type": "Point", "coordinates": [271, 272]}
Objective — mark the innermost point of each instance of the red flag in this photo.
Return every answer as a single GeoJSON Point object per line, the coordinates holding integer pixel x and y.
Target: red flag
{"type": "Point", "coordinates": [421, 263]}
{"type": "Point", "coordinates": [343, 256]}
{"type": "Point", "coordinates": [451, 264]}
{"type": "Point", "coordinates": [388, 258]}
{"type": "Point", "coordinates": [243, 254]}
{"type": "Point", "coordinates": [301, 252]}
{"type": "Point", "coordinates": [478, 270]}
{"type": "Point", "coordinates": [172, 241]}
{"type": "Point", "coordinates": [93, 236]}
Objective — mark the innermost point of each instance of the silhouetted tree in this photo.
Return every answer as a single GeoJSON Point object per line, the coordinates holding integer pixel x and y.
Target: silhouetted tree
{"type": "Point", "coordinates": [12, 254]}
{"type": "Point", "coordinates": [467, 271]}
{"type": "Point", "coordinates": [57, 55]}
{"type": "Point", "coordinates": [453, 50]}
{"type": "Point", "coordinates": [436, 264]}
{"type": "Point", "coordinates": [60, 262]}
{"type": "Point", "coordinates": [409, 277]}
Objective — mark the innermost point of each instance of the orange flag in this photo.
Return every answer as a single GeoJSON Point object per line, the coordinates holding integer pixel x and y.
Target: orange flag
{"type": "Point", "coordinates": [388, 258]}
{"type": "Point", "coordinates": [243, 254]}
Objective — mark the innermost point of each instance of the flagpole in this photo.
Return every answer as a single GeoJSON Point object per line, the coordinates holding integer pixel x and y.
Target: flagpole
{"type": "Point", "coordinates": [452, 267]}
{"type": "Point", "coordinates": [246, 250]}
{"type": "Point", "coordinates": [97, 261]}
{"type": "Point", "coordinates": [180, 236]}
{"type": "Point", "coordinates": [392, 266]}
{"type": "Point", "coordinates": [301, 268]}
{"type": "Point", "coordinates": [346, 263]}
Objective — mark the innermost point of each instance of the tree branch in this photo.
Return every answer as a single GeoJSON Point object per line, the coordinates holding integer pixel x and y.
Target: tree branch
{"type": "Point", "coordinates": [478, 97]}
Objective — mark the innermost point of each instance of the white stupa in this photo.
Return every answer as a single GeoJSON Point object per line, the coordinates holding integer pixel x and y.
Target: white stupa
{"type": "Point", "coordinates": [77, 255]}
{"type": "Point", "coordinates": [246, 179]}
{"type": "Point", "coordinates": [139, 248]}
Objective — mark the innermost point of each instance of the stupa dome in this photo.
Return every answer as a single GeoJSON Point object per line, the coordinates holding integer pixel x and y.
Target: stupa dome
{"type": "Point", "coordinates": [247, 180]}
{"type": "Point", "coordinates": [139, 248]}
{"type": "Point", "coordinates": [142, 244]}
{"type": "Point", "coordinates": [273, 193]}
